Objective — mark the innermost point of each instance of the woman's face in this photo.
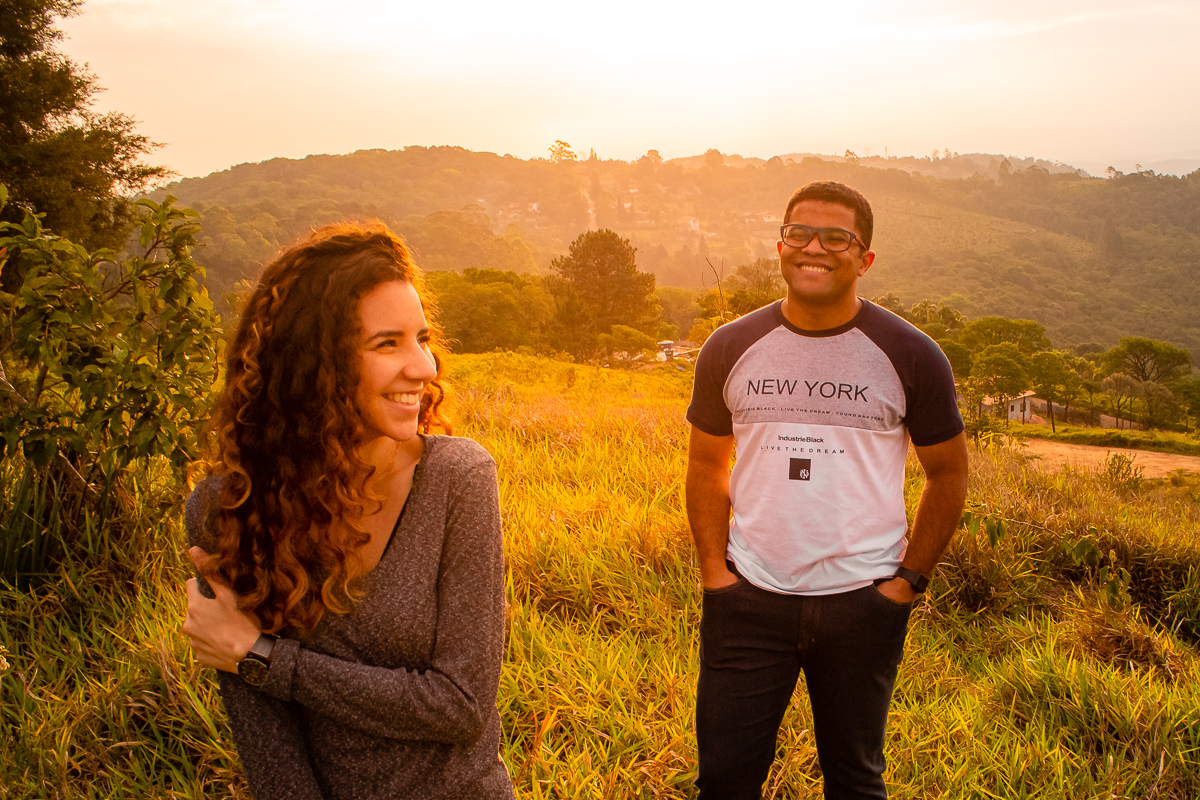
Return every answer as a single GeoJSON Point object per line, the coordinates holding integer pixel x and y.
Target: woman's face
{"type": "Point", "coordinates": [396, 362]}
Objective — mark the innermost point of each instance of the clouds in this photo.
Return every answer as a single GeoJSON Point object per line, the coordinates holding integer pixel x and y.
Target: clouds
{"type": "Point", "coordinates": [232, 80]}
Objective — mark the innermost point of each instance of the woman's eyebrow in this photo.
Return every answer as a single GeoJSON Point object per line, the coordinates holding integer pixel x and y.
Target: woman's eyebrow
{"type": "Point", "coordinates": [394, 334]}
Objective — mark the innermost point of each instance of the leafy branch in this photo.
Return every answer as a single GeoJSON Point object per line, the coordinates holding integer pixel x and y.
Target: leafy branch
{"type": "Point", "coordinates": [108, 362]}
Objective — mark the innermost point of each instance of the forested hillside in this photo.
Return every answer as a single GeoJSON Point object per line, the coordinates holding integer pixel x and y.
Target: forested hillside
{"type": "Point", "coordinates": [1092, 259]}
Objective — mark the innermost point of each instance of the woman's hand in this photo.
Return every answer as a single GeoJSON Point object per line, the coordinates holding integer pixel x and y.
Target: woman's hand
{"type": "Point", "coordinates": [219, 633]}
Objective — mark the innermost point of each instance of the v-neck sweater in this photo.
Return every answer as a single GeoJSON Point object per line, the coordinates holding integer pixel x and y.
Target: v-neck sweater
{"type": "Point", "coordinates": [397, 698]}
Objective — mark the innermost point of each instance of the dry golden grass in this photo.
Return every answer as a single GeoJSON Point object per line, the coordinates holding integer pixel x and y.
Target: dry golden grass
{"type": "Point", "coordinates": [1055, 658]}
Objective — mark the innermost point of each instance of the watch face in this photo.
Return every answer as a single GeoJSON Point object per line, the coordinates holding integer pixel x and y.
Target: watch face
{"type": "Point", "coordinates": [253, 671]}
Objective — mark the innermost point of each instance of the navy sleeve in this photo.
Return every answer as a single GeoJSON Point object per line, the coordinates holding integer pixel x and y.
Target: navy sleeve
{"type": "Point", "coordinates": [727, 344]}
{"type": "Point", "coordinates": [933, 416]}
{"type": "Point", "coordinates": [931, 409]}
{"type": "Point", "coordinates": [707, 410]}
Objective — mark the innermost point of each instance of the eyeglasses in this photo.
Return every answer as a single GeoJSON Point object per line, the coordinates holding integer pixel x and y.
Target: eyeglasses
{"type": "Point", "coordinates": [834, 240]}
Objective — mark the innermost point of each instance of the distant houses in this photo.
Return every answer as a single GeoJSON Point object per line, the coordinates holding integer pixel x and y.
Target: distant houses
{"type": "Point", "coordinates": [1029, 409]}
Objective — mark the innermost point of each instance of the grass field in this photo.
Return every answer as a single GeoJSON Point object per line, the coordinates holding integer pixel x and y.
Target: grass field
{"type": "Point", "coordinates": [1055, 655]}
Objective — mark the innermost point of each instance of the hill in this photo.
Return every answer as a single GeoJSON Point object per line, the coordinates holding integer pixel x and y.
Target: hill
{"type": "Point", "coordinates": [1092, 259]}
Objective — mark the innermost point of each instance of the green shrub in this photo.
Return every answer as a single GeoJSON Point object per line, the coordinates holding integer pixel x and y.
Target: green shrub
{"type": "Point", "coordinates": [106, 372]}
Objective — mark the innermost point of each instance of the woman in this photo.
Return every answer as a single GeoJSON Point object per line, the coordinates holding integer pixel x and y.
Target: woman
{"type": "Point", "coordinates": [351, 590]}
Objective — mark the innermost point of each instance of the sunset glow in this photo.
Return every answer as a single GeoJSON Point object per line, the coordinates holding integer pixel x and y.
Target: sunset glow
{"type": "Point", "coordinates": [228, 81]}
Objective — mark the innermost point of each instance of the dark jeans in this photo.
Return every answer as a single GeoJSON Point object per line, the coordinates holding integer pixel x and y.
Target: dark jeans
{"type": "Point", "coordinates": [753, 644]}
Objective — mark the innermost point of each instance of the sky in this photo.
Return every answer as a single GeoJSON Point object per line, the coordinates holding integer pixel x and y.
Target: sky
{"type": "Point", "coordinates": [1091, 83]}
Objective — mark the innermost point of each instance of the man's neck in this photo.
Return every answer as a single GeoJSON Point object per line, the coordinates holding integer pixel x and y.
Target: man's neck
{"type": "Point", "coordinates": [813, 317]}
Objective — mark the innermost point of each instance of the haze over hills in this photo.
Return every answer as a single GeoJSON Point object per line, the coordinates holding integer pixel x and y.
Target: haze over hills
{"type": "Point", "coordinates": [1092, 259]}
{"type": "Point", "coordinates": [940, 164]}
{"type": "Point", "coordinates": [1175, 166]}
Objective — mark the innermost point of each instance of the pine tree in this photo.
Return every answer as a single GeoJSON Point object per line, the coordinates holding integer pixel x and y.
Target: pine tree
{"type": "Point", "coordinates": [58, 157]}
{"type": "Point", "coordinates": [598, 285]}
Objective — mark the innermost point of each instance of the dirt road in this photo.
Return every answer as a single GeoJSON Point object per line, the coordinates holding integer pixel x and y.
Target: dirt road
{"type": "Point", "coordinates": [1154, 465]}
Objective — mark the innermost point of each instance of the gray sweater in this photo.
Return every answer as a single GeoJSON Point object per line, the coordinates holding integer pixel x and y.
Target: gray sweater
{"type": "Point", "coordinates": [396, 699]}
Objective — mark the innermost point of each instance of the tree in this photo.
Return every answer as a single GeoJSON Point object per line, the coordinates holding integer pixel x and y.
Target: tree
{"type": "Point", "coordinates": [561, 151]}
{"type": "Point", "coordinates": [1028, 336]}
{"type": "Point", "coordinates": [1000, 372]}
{"type": "Point", "coordinates": [1093, 389]}
{"type": "Point", "coordinates": [1080, 379]}
{"type": "Point", "coordinates": [891, 301]}
{"type": "Point", "coordinates": [951, 318]}
{"type": "Point", "coordinates": [679, 307]}
{"type": "Point", "coordinates": [1048, 373]}
{"type": "Point", "coordinates": [632, 341]}
{"type": "Point", "coordinates": [1121, 390]}
{"type": "Point", "coordinates": [752, 286]}
{"type": "Point", "coordinates": [1072, 387]}
{"type": "Point", "coordinates": [958, 356]}
{"type": "Point", "coordinates": [713, 158]}
{"type": "Point", "coordinates": [56, 155]}
{"type": "Point", "coordinates": [924, 312]}
{"type": "Point", "coordinates": [935, 330]}
{"type": "Point", "coordinates": [572, 328]}
{"type": "Point", "coordinates": [601, 286]}
{"type": "Point", "coordinates": [704, 328]}
{"type": "Point", "coordinates": [646, 168]}
{"type": "Point", "coordinates": [1161, 404]}
{"type": "Point", "coordinates": [485, 309]}
{"type": "Point", "coordinates": [762, 277]}
{"type": "Point", "coordinates": [1148, 359]}
{"type": "Point", "coordinates": [1188, 394]}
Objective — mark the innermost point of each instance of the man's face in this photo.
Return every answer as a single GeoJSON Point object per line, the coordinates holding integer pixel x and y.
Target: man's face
{"type": "Point", "coordinates": [815, 276]}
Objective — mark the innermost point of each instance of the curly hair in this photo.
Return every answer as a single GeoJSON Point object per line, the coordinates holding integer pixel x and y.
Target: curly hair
{"type": "Point", "coordinates": [288, 429]}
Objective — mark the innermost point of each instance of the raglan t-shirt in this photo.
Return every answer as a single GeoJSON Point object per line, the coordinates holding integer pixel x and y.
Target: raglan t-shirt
{"type": "Point", "coordinates": [822, 421]}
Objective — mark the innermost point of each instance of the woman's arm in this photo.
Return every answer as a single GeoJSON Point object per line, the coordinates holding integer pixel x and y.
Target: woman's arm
{"type": "Point", "coordinates": [267, 732]}
{"type": "Point", "coordinates": [270, 742]}
{"type": "Point", "coordinates": [450, 701]}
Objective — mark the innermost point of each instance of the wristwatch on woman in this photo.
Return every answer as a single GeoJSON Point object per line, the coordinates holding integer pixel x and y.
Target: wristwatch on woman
{"type": "Point", "coordinates": [919, 580]}
{"type": "Point", "coordinates": [254, 667]}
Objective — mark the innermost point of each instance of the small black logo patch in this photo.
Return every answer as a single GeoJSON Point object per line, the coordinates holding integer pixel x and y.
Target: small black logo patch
{"type": "Point", "coordinates": [799, 469]}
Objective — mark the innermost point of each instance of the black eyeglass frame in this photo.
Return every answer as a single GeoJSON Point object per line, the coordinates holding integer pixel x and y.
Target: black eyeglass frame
{"type": "Point", "coordinates": [820, 234]}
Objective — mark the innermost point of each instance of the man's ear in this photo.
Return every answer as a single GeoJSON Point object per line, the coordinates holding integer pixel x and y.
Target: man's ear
{"type": "Point", "coordinates": [868, 258]}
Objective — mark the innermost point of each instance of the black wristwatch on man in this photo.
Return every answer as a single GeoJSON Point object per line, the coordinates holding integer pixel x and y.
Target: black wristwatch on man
{"type": "Point", "coordinates": [919, 580]}
{"type": "Point", "coordinates": [254, 667]}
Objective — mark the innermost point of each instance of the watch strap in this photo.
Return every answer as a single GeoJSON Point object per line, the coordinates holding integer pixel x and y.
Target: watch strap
{"type": "Point", "coordinates": [919, 580]}
{"type": "Point", "coordinates": [263, 646]}
{"type": "Point", "coordinates": [254, 667]}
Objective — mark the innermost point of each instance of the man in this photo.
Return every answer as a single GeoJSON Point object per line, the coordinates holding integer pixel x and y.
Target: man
{"type": "Point", "coordinates": [817, 569]}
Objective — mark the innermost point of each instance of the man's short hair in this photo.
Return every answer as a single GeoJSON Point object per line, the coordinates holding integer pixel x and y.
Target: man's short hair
{"type": "Point", "coordinates": [839, 194]}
